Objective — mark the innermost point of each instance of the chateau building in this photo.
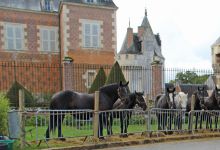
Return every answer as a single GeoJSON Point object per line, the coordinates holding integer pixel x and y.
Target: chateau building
{"type": "Point", "coordinates": [142, 51]}
{"type": "Point", "coordinates": [49, 30]}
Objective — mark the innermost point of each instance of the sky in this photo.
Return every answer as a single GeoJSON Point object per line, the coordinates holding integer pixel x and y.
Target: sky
{"type": "Point", "coordinates": [187, 28]}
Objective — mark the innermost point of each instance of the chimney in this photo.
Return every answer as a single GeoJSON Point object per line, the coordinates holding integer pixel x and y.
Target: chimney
{"type": "Point", "coordinates": [140, 31]}
{"type": "Point", "coordinates": [129, 37]}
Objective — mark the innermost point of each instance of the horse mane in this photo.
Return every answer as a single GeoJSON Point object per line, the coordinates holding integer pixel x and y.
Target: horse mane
{"type": "Point", "coordinates": [132, 98]}
{"type": "Point", "coordinates": [110, 89]}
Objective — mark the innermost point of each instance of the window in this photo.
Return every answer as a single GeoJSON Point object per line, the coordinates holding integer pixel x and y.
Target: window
{"type": "Point", "coordinates": [47, 5]}
{"type": "Point", "coordinates": [14, 36]}
{"type": "Point", "coordinates": [90, 1]}
{"type": "Point", "coordinates": [91, 35]}
{"type": "Point", "coordinates": [48, 39]}
{"type": "Point", "coordinates": [91, 77]}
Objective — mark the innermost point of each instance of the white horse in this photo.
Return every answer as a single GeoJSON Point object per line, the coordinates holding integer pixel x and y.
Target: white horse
{"type": "Point", "coordinates": [181, 100]}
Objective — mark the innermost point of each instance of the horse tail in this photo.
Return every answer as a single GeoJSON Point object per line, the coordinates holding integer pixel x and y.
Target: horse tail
{"type": "Point", "coordinates": [157, 99]}
{"type": "Point", "coordinates": [52, 120]}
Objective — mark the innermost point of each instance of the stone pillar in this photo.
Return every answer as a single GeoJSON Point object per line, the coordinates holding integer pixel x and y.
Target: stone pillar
{"type": "Point", "coordinates": [68, 73]}
{"type": "Point", "coordinates": [157, 78]}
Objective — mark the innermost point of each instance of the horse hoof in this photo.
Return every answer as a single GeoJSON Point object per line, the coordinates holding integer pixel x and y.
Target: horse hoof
{"type": "Point", "coordinates": [101, 138]}
{"type": "Point", "coordinates": [123, 136]}
{"type": "Point", "coordinates": [62, 139]}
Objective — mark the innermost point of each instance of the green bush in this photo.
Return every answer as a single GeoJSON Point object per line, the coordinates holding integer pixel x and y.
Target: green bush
{"type": "Point", "coordinates": [13, 95]}
{"type": "Point", "coordinates": [99, 81]}
{"type": "Point", "coordinates": [116, 75]}
{"type": "Point", "coordinates": [4, 107]}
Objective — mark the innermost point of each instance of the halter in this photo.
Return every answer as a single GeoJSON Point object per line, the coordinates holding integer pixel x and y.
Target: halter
{"type": "Point", "coordinates": [173, 104]}
{"type": "Point", "coordinates": [138, 101]}
{"type": "Point", "coordinates": [122, 98]}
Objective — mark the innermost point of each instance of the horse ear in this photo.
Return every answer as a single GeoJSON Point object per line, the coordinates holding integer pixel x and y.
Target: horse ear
{"type": "Point", "coordinates": [127, 83]}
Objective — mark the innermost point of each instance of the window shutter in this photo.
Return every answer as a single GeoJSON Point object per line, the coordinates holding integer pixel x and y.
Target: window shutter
{"type": "Point", "coordinates": [87, 35]}
{"type": "Point", "coordinates": [45, 37]}
{"type": "Point", "coordinates": [95, 35]}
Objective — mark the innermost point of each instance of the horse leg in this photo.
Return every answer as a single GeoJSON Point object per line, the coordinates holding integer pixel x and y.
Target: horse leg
{"type": "Point", "coordinates": [159, 121]}
{"type": "Point", "coordinates": [122, 122]}
{"type": "Point", "coordinates": [164, 120]}
{"type": "Point", "coordinates": [100, 132]}
{"type": "Point", "coordinates": [60, 120]}
{"type": "Point", "coordinates": [110, 124]}
{"type": "Point", "coordinates": [197, 117]}
{"type": "Point", "coordinates": [126, 123]}
{"type": "Point", "coordinates": [52, 125]}
{"type": "Point", "coordinates": [210, 122]}
{"type": "Point", "coordinates": [201, 120]}
{"type": "Point", "coordinates": [216, 121]}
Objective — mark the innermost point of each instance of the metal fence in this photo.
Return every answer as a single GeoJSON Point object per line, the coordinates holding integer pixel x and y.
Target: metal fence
{"type": "Point", "coordinates": [39, 81]}
{"type": "Point", "coordinates": [42, 80]}
{"type": "Point", "coordinates": [80, 123]}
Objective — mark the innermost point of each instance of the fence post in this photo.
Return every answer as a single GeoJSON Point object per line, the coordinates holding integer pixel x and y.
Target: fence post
{"type": "Point", "coordinates": [68, 74]}
{"type": "Point", "coordinates": [22, 124]}
{"type": "Point", "coordinates": [149, 122]}
{"type": "Point", "coordinates": [96, 116]}
{"type": "Point", "coordinates": [192, 113]}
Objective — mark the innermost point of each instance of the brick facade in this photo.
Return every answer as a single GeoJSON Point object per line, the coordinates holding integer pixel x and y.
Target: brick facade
{"type": "Point", "coordinates": [72, 16]}
{"type": "Point", "coordinates": [157, 79]}
{"type": "Point", "coordinates": [30, 20]}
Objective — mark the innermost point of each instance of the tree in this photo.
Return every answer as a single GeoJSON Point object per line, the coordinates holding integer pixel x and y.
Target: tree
{"type": "Point", "coordinates": [116, 75]}
{"type": "Point", "coordinates": [99, 81]}
{"type": "Point", "coordinates": [13, 95]}
{"type": "Point", "coordinates": [4, 107]}
{"type": "Point", "coordinates": [189, 77]}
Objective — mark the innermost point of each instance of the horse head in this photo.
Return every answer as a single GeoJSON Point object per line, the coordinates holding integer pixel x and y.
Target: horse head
{"type": "Point", "coordinates": [123, 90]}
{"type": "Point", "coordinates": [170, 99]}
{"type": "Point", "coordinates": [217, 95]}
{"type": "Point", "coordinates": [181, 100]}
{"type": "Point", "coordinates": [140, 100]}
{"type": "Point", "coordinates": [201, 94]}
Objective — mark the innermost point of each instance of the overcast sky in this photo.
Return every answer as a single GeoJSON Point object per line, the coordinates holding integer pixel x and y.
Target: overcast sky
{"type": "Point", "coordinates": [187, 28]}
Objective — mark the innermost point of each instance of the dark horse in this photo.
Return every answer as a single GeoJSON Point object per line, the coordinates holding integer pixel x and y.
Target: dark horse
{"type": "Point", "coordinates": [70, 100]}
{"type": "Point", "coordinates": [200, 95]}
{"type": "Point", "coordinates": [165, 101]}
{"type": "Point", "coordinates": [127, 103]}
{"type": "Point", "coordinates": [213, 103]}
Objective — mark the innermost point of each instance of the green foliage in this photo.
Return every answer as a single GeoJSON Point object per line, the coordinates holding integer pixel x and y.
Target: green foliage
{"type": "Point", "coordinates": [189, 77]}
{"type": "Point", "coordinates": [4, 107]}
{"type": "Point", "coordinates": [13, 95]}
{"type": "Point", "coordinates": [116, 75]}
{"type": "Point", "coordinates": [99, 81]}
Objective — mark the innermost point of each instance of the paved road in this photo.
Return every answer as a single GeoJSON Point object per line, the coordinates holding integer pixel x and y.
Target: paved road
{"type": "Point", "coordinates": [204, 144]}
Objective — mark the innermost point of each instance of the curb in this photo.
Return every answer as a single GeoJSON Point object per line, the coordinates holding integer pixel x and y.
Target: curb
{"type": "Point", "coordinates": [138, 142]}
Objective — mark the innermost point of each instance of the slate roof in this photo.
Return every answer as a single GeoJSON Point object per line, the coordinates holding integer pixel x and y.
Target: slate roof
{"type": "Point", "coordinates": [217, 42]}
{"type": "Point", "coordinates": [135, 48]}
{"type": "Point", "coordinates": [187, 88]}
{"type": "Point", "coordinates": [190, 88]}
{"type": "Point", "coordinates": [35, 5]}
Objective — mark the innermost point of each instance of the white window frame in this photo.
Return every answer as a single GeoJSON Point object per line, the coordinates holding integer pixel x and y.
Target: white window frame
{"type": "Point", "coordinates": [86, 77]}
{"type": "Point", "coordinates": [91, 1]}
{"type": "Point", "coordinates": [91, 36]}
{"type": "Point", "coordinates": [49, 40]}
{"type": "Point", "coordinates": [14, 38]}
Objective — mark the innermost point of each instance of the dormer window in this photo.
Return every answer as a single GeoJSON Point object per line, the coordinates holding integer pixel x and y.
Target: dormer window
{"type": "Point", "coordinates": [47, 5]}
{"type": "Point", "coordinates": [91, 1]}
